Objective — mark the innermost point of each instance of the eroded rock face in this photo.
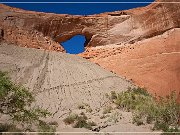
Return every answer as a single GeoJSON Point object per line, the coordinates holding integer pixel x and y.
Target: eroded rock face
{"type": "Point", "coordinates": [45, 30]}
{"type": "Point", "coordinates": [151, 63]}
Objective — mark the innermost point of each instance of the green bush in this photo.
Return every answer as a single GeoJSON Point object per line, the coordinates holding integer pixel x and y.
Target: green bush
{"type": "Point", "coordinates": [85, 106]}
{"type": "Point", "coordinates": [162, 112]}
{"type": "Point", "coordinates": [9, 128]}
{"type": "Point", "coordinates": [114, 117]}
{"type": "Point", "coordinates": [44, 127]}
{"type": "Point", "coordinates": [16, 100]}
{"type": "Point", "coordinates": [113, 95]}
{"type": "Point", "coordinates": [167, 113]}
{"type": "Point", "coordinates": [83, 123]}
{"type": "Point", "coordinates": [53, 123]}
{"type": "Point", "coordinates": [70, 119]}
{"type": "Point", "coordinates": [132, 99]}
{"type": "Point", "coordinates": [79, 121]}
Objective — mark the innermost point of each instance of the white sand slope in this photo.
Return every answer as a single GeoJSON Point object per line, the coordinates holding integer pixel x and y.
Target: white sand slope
{"type": "Point", "coordinates": [60, 81]}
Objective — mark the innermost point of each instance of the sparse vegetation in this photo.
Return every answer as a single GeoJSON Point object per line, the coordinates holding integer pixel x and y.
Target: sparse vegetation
{"type": "Point", "coordinates": [104, 116]}
{"type": "Point", "coordinates": [9, 128]}
{"type": "Point", "coordinates": [44, 127]}
{"type": "Point", "coordinates": [85, 106]}
{"type": "Point", "coordinates": [15, 101]}
{"type": "Point", "coordinates": [89, 109]}
{"type": "Point", "coordinates": [114, 117]}
{"type": "Point", "coordinates": [162, 112]}
{"type": "Point", "coordinates": [79, 121]}
{"type": "Point", "coordinates": [53, 123]}
{"type": "Point", "coordinates": [113, 95]}
{"type": "Point", "coordinates": [70, 119]}
{"type": "Point", "coordinates": [130, 99]}
{"type": "Point", "coordinates": [107, 109]}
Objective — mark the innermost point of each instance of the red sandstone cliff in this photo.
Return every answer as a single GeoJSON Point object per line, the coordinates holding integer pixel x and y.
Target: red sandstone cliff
{"type": "Point", "coordinates": [34, 29]}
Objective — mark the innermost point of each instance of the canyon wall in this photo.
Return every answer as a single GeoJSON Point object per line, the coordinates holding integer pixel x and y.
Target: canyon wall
{"type": "Point", "coordinates": [47, 30]}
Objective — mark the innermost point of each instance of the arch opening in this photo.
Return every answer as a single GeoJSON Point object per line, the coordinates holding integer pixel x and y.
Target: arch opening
{"type": "Point", "coordinates": [75, 45]}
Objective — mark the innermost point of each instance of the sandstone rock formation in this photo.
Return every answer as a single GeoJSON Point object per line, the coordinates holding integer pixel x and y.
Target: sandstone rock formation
{"type": "Point", "coordinates": [152, 63]}
{"type": "Point", "coordinates": [40, 30]}
{"type": "Point", "coordinates": [150, 60]}
{"type": "Point", "coordinates": [109, 33]}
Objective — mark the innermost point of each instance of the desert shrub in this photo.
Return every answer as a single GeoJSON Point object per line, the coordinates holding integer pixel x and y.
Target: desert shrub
{"type": "Point", "coordinates": [172, 131]}
{"type": "Point", "coordinates": [139, 90]}
{"type": "Point", "coordinates": [138, 119]}
{"type": "Point", "coordinates": [70, 119]}
{"type": "Point", "coordinates": [167, 113]}
{"type": "Point", "coordinates": [53, 123]}
{"type": "Point", "coordinates": [9, 128]}
{"type": "Point", "coordinates": [44, 127]}
{"type": "Point", "coordinates": [85, 106]}
{"type": "Point", "coordinates": [104, 116]}
{"type": "Point", "coordinates": [162, 112]}
{"type": "Point", "coordinates": [132, 99]}
{"type": "Point", "coordinates": [15, 101]}
{"type": "Point", "coordinates": [89, 109]}
{"type": "Point", "coordinates": [107, 109]}
{"type": "Point", "coordinates": [83, 123]}
{"type": "Point", "coordinates": [79, 121]}
{"type": "Point", "coordinates": [113, 95]}
{"type": "Point", "coordinates": [114, 117]}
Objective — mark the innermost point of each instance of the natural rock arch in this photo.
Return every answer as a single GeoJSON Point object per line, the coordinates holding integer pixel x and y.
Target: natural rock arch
{"type": "Point", "coordinates": [63, 38]}
{"type": "Point", "coordinates": [41, 30]}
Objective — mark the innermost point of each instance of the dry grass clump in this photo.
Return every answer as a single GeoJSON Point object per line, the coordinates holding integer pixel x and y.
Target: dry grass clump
{"type": "Point", "coordinates": [107, 109]}
{"type": "Point", "coordinates": [79, 121]}
{"type": "Point", "coordinates": [85, 106]}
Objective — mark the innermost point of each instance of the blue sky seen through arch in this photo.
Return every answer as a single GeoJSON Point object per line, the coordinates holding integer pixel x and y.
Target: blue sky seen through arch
{"type": "Point", "coordinates": [74, 45]}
